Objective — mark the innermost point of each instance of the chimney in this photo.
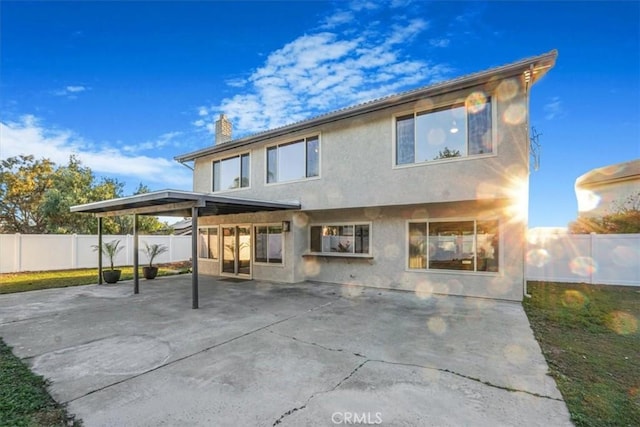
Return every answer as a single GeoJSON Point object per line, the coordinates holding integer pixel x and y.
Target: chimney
{"type": "Point", "coordinates": [223, 130]}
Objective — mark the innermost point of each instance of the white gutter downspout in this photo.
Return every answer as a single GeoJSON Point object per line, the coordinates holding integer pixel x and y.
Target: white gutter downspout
{"type": "Point", "coordinates": [528, 78]}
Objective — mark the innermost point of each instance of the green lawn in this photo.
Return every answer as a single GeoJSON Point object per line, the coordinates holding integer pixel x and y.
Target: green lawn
{"type": "Point", "coordinates": [24, 400]}
{"type": "Point", "coordinates": [590, 336]}
{"type": "Point", "coordinates": [31, 281]}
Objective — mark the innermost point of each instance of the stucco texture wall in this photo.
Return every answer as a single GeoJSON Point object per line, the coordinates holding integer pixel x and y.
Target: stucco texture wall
{"type": "Point", "coordinates": [388, 266]}
{"type": "Point", "coordinates": [357, 161]}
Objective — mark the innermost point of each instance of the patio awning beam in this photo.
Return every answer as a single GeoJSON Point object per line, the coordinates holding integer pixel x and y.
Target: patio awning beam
{"type": "Point", "coordinates": [184, 208]}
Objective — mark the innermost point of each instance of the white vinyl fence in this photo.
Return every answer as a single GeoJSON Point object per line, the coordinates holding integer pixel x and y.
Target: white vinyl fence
{"type": "Point", "coordinates": [607, 259]}
{"type": "Point", "coordinates": [38, 252]}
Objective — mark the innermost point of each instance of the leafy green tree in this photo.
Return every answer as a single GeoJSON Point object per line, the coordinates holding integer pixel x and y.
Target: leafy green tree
{"type": "Point", "coordinates": [447, 153]}
{"type": "Point", "coordinates": [624, 219]}
{"type": "Point", "coordinates": [24, 182]}
{"type": "Point", "coordinates": [72, 185]}
{"type": "Point", "coordinates": [146, 224]}
{"type": "Point", "coordinates": [36, 197]}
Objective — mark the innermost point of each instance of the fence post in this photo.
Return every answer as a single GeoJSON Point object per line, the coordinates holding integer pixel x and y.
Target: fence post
{"type": "Point", "coordinates": [128, 254]}
{"type": "Point", "coordinates": [591, 253]}
{"type": "Point", "coordinates": [18, 255]}
{"type": "Point", "coordinates": [74, 250]}
{"type": "Point", "coordinates": [171, 242]}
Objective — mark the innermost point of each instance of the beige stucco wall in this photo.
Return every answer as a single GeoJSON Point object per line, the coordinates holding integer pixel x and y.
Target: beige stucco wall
{"type": "Point", "coordinates": [387, 268]}
{"type": "Point", "coordinates": [359, 182]}
{"type": "Point", "coordinates": [357, 162]}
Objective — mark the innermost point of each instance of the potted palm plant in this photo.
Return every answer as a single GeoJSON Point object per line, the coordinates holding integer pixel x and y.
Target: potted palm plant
{"type": "Point", "coordinates": [110, 249]}
{"type": "Point", "coordinates": [152, 251]}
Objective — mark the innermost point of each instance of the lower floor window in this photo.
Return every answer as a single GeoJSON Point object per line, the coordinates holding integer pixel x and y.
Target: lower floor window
{"type": "Point", "coordinates": [340, 238]}
{"type": "Point", "coordinates": [268, 244]}
{"type": "Point", "coordinates": [208, 243]}
{"type": "Point", "coordinates": [454, 245]}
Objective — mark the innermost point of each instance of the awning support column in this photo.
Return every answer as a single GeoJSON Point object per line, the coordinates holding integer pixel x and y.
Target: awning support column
{"type": "Point", "coordinates": [99, 250]}
{"type": "Point", "coordinates": [194, 257]}
{"type": "Point", "coordinates": [136, 272]}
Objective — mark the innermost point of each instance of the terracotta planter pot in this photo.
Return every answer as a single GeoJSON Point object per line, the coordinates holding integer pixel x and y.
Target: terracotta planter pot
{"type": "Point", "coordinates": [150, 272]}
{"type": "Point", "coordinates": [111, 276]}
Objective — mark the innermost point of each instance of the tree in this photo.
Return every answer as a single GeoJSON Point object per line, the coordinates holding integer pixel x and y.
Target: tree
{"type": "Point", "coordinates": [624, 219]}
{"type": "Point", "coordinates": [24, 182]}
{"type": "Point", "coordinates": [72, 185]}
{"type": "Point", "coordinates": [447, 153]}
{"type": "Point", "coordinates": [146, 224]}
{"type": "Point", "coordinates": [36, 197]}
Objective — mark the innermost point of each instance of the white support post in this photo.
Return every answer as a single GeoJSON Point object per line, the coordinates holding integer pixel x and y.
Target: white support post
{"type": "Point", "coordinates": [18, 252]}
{"type": "Point", "coordinates": [74, 251]}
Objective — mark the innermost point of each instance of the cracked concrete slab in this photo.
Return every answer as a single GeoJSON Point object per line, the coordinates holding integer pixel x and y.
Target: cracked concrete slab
{"type": "Point", "coordinates": [260, 353]}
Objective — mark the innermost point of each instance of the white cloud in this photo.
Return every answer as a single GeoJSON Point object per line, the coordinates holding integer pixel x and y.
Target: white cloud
{"type": "Point", "coordinates": [338, 18]}
{"type": "Point", "coordinates": [75, 89]}
{"type": "Point", "coordinates": [28, 136]}
{"type": "Point", "coordinates": [553, 109]}
{"type": "Point", "coordinates": [202, 111]}
{"type": "Point", "coordinates": [439, 42]}
{"type": "Point", "coordinates": [327, 70]}
{"type": "Point", "coordinates": [70, 91]}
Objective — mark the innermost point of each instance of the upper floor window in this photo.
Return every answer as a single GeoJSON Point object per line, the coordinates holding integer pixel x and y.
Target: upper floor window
{"type": "Point", "coordinates": [231, 173]}
{"type": "Point", "coordinates": [457, 130]}
{"type": "Point", "coordinates": [293, 160]}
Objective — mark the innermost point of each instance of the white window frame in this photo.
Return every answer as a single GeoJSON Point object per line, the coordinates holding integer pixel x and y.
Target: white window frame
{"type": "Point", "coordinates": [440, 106]}
{"type": "Point", "coordinates": [343, 224]}
{"type": "Point", "coordinates": [304, 139]}
{"type": "Point", "coordinates": [208, 227]}
{"type": "Point", "coordinates": [255, 235]}
{"type": "Point", "coordinates": [221, 159]}
{"type": "Point", "coordinates": [475, 220]}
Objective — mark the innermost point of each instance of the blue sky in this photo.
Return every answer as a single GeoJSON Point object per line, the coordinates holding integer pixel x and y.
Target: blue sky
{"type": "Point", "coordinates": [128, 85]}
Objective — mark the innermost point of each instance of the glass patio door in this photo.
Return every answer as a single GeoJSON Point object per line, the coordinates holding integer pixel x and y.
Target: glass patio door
{"type": "Point", "coordinates": [236, 250]}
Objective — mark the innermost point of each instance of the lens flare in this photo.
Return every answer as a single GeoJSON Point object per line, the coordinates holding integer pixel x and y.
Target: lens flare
{"type": "Point", "coordinates": [437, 325]}
{"type": "Point", "coordinates": [515, 114]}
{"type": "Point", "coordinates": [311, 267]}
{"type": "Point", "coordinates": [507, 89]}
{"type": "Point", "coordinates": [573, 299]}
{"type": "Point", "coordinates": [622, 323]}
{"type": "Point", "coordinates": [515, 354]}
{"type": "Point", "coordinates": [476, 102]}
{"type": "Point", "coordinates": [424, 290]}
{"type": "Point", "coordinates": [518, 192]}
{"type": "Point", "coordinates": [587, 200]}
{"type": "Point", "coordinates": [583, 266]}
{"type": "Point", "coordinates": [538, 257]}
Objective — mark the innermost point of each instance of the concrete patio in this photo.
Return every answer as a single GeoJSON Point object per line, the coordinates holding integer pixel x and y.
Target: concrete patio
{"type": "Point", "coordinates": [267, 354]}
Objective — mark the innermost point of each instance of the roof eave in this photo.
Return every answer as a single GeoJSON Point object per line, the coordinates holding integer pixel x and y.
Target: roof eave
{"type": "Point", "coordinates": [539, 64]}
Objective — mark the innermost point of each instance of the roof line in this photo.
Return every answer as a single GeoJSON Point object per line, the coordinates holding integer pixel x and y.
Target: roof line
{"type": "Point", "coordinates": [544, 62]}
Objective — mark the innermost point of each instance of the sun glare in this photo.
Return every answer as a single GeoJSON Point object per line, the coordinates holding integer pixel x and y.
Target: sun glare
{"type": "Point", "coordinates": [587, 200]}
{"type": "Point", "coordinates": [518, 192]}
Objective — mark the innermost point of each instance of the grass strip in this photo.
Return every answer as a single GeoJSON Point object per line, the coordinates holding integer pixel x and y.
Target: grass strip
{"type": "Point", "coordinates": [590, 337]}
{"type": "Point", "coordinates": [24, 399]}
{"type": "Point", "coordinates": [31, 281]}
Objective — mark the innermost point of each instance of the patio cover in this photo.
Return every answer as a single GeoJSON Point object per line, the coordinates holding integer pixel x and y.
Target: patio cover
{"type": "Point", "coordinates": [174, 203]}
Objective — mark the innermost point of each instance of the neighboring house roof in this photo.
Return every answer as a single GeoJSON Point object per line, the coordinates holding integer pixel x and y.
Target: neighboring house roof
{"type": "Point", "coordinates": [610, 174]}
{"type": "Point", "coordinates": [537, 65]}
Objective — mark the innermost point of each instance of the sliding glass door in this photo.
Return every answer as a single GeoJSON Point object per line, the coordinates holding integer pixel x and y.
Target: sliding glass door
{"type": "Point", "coordinates": [236, 250]}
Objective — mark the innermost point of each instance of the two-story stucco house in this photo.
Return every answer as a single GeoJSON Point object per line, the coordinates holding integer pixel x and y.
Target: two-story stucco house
{"type": "Point", "coordinates": [424, 191]}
